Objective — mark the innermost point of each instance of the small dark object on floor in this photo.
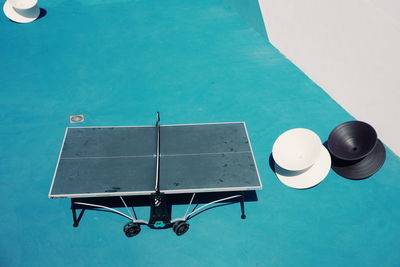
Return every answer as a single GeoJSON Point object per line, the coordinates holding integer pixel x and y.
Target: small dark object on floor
{"type": "Point", "coordinates": [76, 118]}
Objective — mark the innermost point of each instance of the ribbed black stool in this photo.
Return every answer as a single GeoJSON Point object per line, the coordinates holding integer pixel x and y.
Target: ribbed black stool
{"type": "Point", "coordinates": [355, 149]}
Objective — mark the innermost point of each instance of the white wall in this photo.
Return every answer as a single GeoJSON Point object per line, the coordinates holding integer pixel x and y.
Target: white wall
{"type": "Point", "coordinates": [351, 48]}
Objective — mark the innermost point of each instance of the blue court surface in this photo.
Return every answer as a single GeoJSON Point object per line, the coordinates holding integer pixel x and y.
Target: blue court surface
{"type": "Point", "coordinates": [118, 62]}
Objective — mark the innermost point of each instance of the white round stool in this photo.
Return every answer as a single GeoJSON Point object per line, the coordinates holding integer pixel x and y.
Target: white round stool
{"type": "Point", "coordinates": [301, 161]}
{"type": "Point", "coordinates": [22, 11]}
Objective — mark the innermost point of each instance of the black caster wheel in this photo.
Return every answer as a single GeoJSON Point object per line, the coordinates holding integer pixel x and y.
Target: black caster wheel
{"type": "Point", "coordinates": [180, 227]}
{"type": "Point", "coordinates": [243, 217]}
{"type": "Point", "coordinates": [131, 229]}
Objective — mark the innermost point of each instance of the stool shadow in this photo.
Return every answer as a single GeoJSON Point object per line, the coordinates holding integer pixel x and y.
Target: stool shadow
{"type": "Point", "coordinates": [271, 162]}
{"type": "Point", "coordinates": [43, 12]}
{"type": "Point", "coordinates": [325, 144]}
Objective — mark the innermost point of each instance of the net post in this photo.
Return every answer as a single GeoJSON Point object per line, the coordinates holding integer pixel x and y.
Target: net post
{"type": "Point", "coordinates": [158, 142]}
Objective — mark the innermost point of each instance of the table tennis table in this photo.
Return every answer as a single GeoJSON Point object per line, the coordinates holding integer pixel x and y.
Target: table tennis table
{"type": "Point", "coordinates": [161, 162]}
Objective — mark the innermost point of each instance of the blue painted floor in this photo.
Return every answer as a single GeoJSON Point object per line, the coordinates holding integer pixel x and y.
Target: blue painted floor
{"type": "Point", "coordinates": [118, 62]}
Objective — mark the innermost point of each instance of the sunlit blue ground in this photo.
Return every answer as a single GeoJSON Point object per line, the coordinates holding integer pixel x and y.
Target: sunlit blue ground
{"type": "Point", "coordinates": [118, 62]}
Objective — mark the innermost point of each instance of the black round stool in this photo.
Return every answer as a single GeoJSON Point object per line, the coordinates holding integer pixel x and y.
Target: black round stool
{"type": "Point", "coordinates": [355, 149]}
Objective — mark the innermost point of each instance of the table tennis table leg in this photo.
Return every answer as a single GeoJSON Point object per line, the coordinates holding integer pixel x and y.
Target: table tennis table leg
{"type": "Point", "coordinates": [242, 207]}
{"type": "Point", "coordinates": [76, 219]}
